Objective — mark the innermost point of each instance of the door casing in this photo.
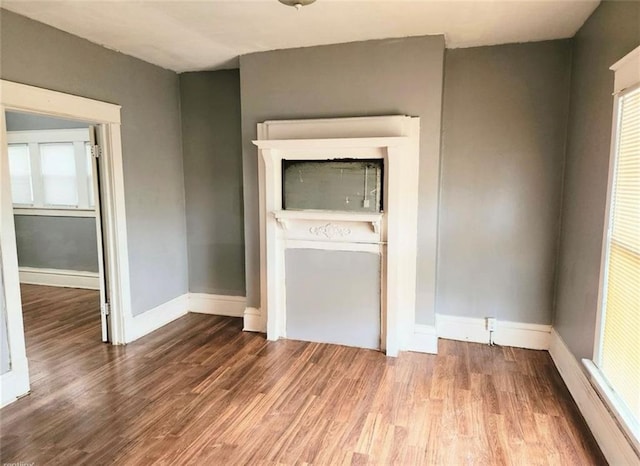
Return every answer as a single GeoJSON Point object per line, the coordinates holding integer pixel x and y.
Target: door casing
{"type": "Point", "coordinates": [21, 97]}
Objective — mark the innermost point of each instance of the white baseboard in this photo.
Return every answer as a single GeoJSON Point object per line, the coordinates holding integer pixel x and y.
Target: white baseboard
{"type": "Point", "coordinates": [232, 306]}
{"type": "Point", "coordinates": [58, 277]}
{"type": "Point", "coordinates": [612, 441]}
{"type": "Point", "coordinates": [14, 384]}
{"type": "Point", "coordinates": [518, 334]}
{"type": "Point", "coordinates": [254, 320]}
{"type": "Point", "coordinates": [153, 319]}
{"type": "Point", "coordinates": [423, 340]}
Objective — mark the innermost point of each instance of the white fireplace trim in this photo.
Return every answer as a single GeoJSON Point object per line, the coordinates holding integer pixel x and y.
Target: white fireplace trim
{"type": "Point", "coordinates": [393, 234]}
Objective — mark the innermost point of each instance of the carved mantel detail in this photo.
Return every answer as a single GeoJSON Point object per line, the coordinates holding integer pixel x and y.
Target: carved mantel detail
{"type": "Point", "coordinates": [330, 230]}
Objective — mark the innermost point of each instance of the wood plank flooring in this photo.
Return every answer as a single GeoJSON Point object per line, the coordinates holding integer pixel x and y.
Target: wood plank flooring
{"type": "Point", "coordinates": [201, 391]}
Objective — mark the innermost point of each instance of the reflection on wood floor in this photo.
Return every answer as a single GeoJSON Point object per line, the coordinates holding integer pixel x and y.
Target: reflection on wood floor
{"type": "Point", "coordinates": [201, 391]}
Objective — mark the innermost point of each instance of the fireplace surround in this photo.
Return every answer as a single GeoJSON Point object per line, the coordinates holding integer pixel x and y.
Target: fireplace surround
{"type": "Point", "coordinates": [391, 233]}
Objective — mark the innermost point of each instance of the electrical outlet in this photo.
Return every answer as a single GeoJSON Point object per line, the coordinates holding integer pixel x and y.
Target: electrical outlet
{"type": "Point", "coordinates": [365, 203]}
{"type": "Point", "coordinates": [491, 324]}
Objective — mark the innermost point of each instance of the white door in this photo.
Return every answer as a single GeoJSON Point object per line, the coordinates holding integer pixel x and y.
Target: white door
{"type": "Point", "coordinates": [94, 144]}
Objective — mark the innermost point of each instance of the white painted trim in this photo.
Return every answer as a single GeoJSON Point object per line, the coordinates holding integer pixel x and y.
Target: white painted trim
{"type": "Point", "coordinates": [522, 335]}
{"type": "Point", "coordinates": [254, 320]}
{"type": "Point", "coordinates": [14, 384]}
{"type": "Point", "coordinates": [610, 438]}
{"type": "Point", "coordinates": [627, 421]}
{"type": "Point", "coordinates": [392, 138]}
{"type": "Point", "coordinates": [285, 217]}
{"type": "Point", "coordinates": [627, 71]}
{"type": "Point", "coordinates": [44, 212]}
{"type": "Point", "coordinates": [363, 126]}
{"type": "Point", "coordinates": [20, 97]}
{"type": "Point", "coordinates": [203, 303]}
{"type": "Point", "coordinates": [114, 220]}
{"type": "Point", "coordinates": [424, 339]}
{"type": "Point", "coordinates": [58, 277]}
{"type": "Point", "coordinates": [367, 217]}
{"type": "Point", "coordinates": [16, 96]}
{"type": "Point", "coordinates": [374, 248]}
{"type": "Point", "coordinates": [200, 303]}
{"type": "Point", "coordinates": [331, 143]}
{"type": "Point", "coordinates": [327, 227]}
{"type": "Point", "coordinates": [152, 320]}
{"type": "Point", "coordinates": [461, 328]}
{"type": "Point", "coordinates": [48, 135]}
{"type": "Point", "coordinates": [518, 334]}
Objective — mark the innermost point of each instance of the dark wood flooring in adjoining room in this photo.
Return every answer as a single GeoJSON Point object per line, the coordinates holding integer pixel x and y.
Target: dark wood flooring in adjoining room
{"type": "Point", "coordinates": [201, 391]}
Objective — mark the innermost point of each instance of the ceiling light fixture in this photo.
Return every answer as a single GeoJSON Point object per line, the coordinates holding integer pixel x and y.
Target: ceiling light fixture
{"type": "Point", "coordinates": [297, 3]}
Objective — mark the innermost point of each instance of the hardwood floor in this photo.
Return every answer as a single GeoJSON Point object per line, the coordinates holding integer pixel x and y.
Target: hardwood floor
{"type": "Point", "coordinates": [201, 391]}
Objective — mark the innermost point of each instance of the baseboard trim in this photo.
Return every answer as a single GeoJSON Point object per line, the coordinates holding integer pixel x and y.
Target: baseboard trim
{"type": "Point", "coordinates": [153, 319]}
{"type": "Point", "coordinates": [518, 334]}
{"type": "Point", "coordinates": [423, 340]}
{"type": "Point", "coordinates": [61, 278]}
{"type": "Point", "coordinates": [254, 321]}
{"type": "Point", "coordinates": [202, 303]}
{"type": "Point", "coordinates": [608, 434]}
{"type": "Point", "coordinates": [231, 306]}
{"type": "Point", "coordinates": [14, 384]}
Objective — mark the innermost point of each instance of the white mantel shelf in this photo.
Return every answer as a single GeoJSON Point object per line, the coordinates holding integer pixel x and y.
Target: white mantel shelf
{"type": "Point", "coordinates": [285, 216]}
{"type": "Point", "coordinates": [336, 215]}
{"type": "Point", "coordinates": [332, 143]}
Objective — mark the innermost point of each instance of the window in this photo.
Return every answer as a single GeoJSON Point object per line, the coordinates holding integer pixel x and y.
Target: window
{"type": "Point", "coordinates": [51, 170]}
{"type": "Point", "coordinates": [617, 353]}
{"type": "Point", "coordinates": [20, 167]}
{"type": "Point", "coordinates": [59, 179]}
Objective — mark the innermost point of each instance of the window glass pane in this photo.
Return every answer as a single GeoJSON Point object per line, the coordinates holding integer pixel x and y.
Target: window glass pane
{"type": "Point", "coordinates": [620, 359]}
{"type": "Point", "coordinates": [20, 168]}
{"type": "Point", "coordinates": [89, 159]}
{"type": "Point", "coordinates": [59, 174]}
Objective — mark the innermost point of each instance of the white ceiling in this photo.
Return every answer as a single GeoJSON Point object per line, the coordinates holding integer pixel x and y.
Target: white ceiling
{"type": "Point", "coordinates": [186, 35]}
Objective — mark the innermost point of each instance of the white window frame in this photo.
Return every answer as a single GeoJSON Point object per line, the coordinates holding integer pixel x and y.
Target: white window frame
{"type": "Point", "coordinates": [627, 79]}
{"type": "Point", "coordinates": [79, 137]}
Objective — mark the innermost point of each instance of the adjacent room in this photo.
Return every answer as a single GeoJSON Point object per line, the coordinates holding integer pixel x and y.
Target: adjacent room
{"type": "Point", "coordinates": [320, 232]}
{"type": "Point", "coordinates": [58, 241]}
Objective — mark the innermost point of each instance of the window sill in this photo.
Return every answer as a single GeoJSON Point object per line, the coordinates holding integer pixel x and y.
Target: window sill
{"type": "Point", "coordinates": [45, 212]}
{"type": "Point", "coordinates": [623, 415]}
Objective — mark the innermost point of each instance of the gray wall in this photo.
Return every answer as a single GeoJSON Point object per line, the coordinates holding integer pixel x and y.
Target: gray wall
{"type": "Point", "coordinates": [17, 121]}
{"type": "Point", "coordinates": [67, 243]}
{"type": "Point", "coordinates": [504, 121]}
{"type": "Point", "coordinates": [210, 105]}
{"type": "Point", "coordinates": [610, 33]}
{"type": "Point", "coordinates": [5, 355]}
{"type": "Point", "coordinates": [384, 77]}
{"type": "Point", "coordinates": [350, 313]}
{"type": "Point", "coordinates": [39, 55]}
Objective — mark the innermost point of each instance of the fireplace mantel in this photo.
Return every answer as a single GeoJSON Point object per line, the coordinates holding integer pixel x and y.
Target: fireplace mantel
{"type": "Point", "coordinates": [286, 217]}
{"type": "Point", "coordinates": [392, 233]}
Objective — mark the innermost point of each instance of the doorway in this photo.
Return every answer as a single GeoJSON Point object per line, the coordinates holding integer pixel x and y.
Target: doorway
{"type": "Point", "coordinates": [79, 178]}
{"type": "Point", "coordinates": [56, 204]}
